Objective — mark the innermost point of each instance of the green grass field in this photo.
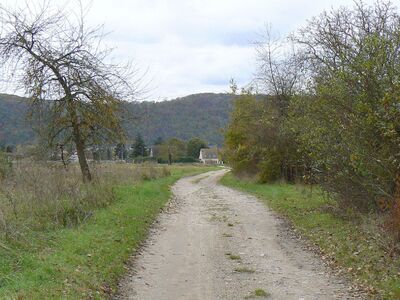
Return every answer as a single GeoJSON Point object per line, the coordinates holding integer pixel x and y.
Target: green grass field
{"type": "Point", "coordinates": [86, 261]}
{"type": "Point", "coordinates": [345, 241]}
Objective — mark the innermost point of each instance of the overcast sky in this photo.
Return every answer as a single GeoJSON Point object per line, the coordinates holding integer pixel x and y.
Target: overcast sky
{"type": "Point", "coordinates": [192, 46]}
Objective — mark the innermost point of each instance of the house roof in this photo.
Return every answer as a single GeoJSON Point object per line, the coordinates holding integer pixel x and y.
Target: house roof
{"type": "Point", "coordinates": [209, 153]}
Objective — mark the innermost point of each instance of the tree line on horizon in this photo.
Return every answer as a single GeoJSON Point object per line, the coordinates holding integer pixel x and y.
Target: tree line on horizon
{"type": "Point", "coordinates": [332, 114]}
{"type": "Point", "coordinates": [206, 113]}
{"type": "Point", "coordinates": [172, 150]}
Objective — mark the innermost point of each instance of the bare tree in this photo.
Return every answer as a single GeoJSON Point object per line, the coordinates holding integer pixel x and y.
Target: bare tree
{"type": "Point", "coordinates": [343, 40]}
{"type": "Point", "coordinates": [62, 65]}
{"type": "Point", "coordinates": [280, 74]}
{"type": "Point", "coordinates": [279, 70]}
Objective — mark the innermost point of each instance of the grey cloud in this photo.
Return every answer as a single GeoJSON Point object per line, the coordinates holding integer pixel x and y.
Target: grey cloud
{"type": "Point", "coordinates": [194, 45]}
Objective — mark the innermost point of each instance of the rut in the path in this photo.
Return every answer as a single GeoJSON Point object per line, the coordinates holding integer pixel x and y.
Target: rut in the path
{"type": "Point", "coordinates": [217, 243]}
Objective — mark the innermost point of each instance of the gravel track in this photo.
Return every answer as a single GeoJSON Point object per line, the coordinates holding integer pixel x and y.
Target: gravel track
{"type": "Point", "coordinates": [189, 253]}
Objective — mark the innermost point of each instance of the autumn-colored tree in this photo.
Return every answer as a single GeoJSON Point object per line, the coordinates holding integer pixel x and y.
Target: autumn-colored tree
{"type": "Point", "coordinates": [251, 139]}
{"type": "Point", "coordinates": [333, 111]}
{"type": "Point", "coordinates": [348, 124]}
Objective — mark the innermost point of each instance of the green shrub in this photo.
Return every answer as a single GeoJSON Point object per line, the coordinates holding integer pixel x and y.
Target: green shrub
{"type": "Point", "coordinates": [269, 168]}
{"type": "Point", "coordinates": [186, 159]}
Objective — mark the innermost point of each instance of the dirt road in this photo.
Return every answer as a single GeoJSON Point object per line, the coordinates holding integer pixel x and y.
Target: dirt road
{"type": "Point", "coordinates": [218, 243]}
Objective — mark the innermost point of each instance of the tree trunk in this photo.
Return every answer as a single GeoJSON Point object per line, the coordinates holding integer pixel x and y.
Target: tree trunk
{"type": "Point", "coordinates": [169, 156]}
{"type": "Point", "coordinates": [62, 157]}
{"type": "Point", "coordinates": [394, 221]}
{"type": "Point", "coordinates": [282, 169]}
{"type": "Point", "coordinates": [79, 141]}
{"type": "Point", "coordinates": [397, 187]}
{"type": "Point", "coordinates": [80, 149]}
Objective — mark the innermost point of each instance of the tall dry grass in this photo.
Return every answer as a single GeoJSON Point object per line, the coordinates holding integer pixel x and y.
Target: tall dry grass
{"type": "Point", "coordinates": [42, 196]}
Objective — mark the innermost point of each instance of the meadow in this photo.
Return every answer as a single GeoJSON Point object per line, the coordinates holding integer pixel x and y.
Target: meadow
{"type": "Point", "coordinates": [61, 238]}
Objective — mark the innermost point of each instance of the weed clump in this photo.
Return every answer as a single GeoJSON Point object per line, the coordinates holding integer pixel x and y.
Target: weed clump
{"type": "Point", "coordinates": [244, 270]}
{"type": "Point", "coordinates": [258, 293]}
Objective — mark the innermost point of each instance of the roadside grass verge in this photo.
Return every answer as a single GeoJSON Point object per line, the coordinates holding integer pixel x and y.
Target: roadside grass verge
{"type": "Point", "coordinates": [353, 243]}
{"type": "Point", "coordinates": [86, 261]}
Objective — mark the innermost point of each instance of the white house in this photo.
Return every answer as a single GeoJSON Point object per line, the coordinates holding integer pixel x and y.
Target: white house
{"type": "Point", "coordinates": [209, 156]}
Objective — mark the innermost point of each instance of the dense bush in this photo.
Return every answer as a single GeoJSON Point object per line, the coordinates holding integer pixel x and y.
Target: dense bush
{"type": "Point", "coordinates": [333, 114]}
{"type": "Point", "coordinates": [256, 141]}
{"type": "Point", "coordinates": [349, 124]}
{"type": "Point", "coordinates": [186, 159]}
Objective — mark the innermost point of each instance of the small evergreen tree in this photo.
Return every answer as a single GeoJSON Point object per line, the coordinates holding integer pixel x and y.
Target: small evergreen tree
{"type": "Point", "coordinates": [139, 147]}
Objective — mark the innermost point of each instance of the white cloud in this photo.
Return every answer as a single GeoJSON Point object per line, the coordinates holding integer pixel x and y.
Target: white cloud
{"type": "Point", "coordinates": [194, 46]}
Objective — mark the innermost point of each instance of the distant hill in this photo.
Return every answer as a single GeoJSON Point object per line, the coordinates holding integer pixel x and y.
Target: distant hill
{"type": "Point", "coordinates": [14, 129]}
{"type": "Point", "coordinates": [199, 115]}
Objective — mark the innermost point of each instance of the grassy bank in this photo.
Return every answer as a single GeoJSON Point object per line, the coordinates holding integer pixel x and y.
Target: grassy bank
{"type": "Point", "coordinates": [85, 261]}
{"type": "Point", "coordinates": [351, 242]}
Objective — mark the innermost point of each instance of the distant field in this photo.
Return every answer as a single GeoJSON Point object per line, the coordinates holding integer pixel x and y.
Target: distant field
{"type": "Point", "coordinates": [351, 242]}
{"type": "Point", "coordinates": [84, 260]}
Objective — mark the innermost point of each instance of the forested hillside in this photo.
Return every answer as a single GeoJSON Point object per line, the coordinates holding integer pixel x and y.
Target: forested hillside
{"type": "Point", "coordinates": [14, 129]}
{"type": "Point", "coordinates": [198, 115]}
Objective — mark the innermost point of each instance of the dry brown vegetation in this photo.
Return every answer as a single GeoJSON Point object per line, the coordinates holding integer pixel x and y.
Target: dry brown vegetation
{"type": "Point", "coordinates": [40, 196]}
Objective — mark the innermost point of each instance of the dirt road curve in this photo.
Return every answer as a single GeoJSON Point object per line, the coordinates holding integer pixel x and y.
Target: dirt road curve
{"type": "Point", "coordinates": [217, 243]}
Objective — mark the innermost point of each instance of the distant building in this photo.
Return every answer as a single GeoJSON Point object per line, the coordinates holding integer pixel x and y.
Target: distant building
{"type": "Point", "coordinates": [73, 157]}
{"type": "Point", "coordinates": [209, 156]}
